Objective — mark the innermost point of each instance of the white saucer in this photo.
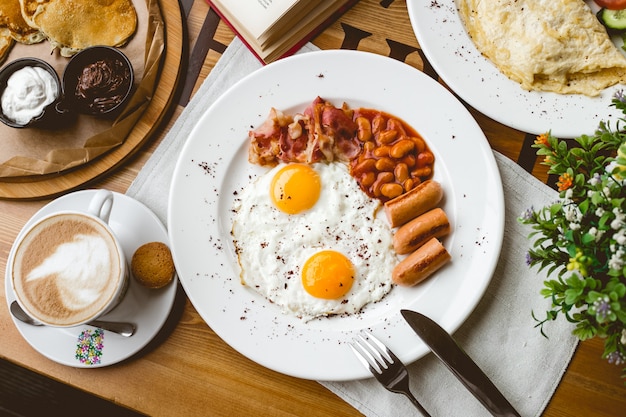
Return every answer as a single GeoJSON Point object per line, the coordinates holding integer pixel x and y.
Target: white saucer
{"type": "Point", "coordinates": [89, 347]}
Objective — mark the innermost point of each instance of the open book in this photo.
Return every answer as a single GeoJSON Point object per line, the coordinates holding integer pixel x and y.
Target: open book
{"type": "Point", "coordinates": [273, 29]}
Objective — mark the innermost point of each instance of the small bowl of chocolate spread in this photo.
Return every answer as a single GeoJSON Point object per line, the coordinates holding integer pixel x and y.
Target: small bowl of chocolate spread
{"type": "Point", "coordinates": [98, 81]}
{"type": "Point", "coordinates": [30, 90]}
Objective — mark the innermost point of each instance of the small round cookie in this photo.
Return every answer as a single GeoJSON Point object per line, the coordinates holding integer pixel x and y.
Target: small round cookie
{"type": "Point", "coordinates": [152, 265]}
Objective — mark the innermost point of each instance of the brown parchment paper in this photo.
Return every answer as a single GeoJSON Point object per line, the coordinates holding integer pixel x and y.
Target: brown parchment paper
{"type": "Point", "coordinates": [30, 152]}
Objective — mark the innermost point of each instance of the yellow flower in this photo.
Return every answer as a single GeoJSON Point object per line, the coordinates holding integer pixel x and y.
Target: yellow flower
{"type": "Point", "coordinates": [565, 181]}
{"type": "Point", "coordinates": [621, 154]}
{"type": "Point", "coordinates": [542, 139]}
{"type": "Point", "coordinates": [578, 262]}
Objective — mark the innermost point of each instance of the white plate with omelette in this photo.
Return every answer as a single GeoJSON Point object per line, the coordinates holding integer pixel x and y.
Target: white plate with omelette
{"type": "Point", "coordinates": [449, 49]}
{"type": "Point", "coordinates": [213, 169]}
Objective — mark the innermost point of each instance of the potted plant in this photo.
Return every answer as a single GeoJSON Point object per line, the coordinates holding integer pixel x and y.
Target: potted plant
{"type": "Point", "coordinates": [580, 239]}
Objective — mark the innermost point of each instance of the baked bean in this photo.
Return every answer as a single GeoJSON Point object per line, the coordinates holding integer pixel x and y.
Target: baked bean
{"type": "Point", "coordinates": [391, 190]}
{"type": "Point", "coordinates": [381, 151]}
{"type": "Point", "coordinates": [381, 179]}
{"type": "Point", "coordinates": [425, 158]}
{"type": "Point", "coordinates": [364, 166]}
{"type": "Point", "coordinates": [387, 136]}
{"type": "Point", "coordinates": [395, 124]}
{"type": "Point", "coordinates": [422, 172]}
{"type": "Point", "coordinates": [409, 160]}
{"type": "Point", "coordinates": [394, 158]}
{"type": "Point", "coordinates": [420, 145]}
{"type": "Point", "coordinates": [378, 123]}
{"type": "Point", "coordinates": [401, 148]}
{"type": "Point", "coordinates": [369, 146]}
{"type": "Point", "coordinates": [401, 172]}
{"type": "Point", "coordinates": [385, 164]}
{"type": "Point", "coordinates": [364, 129]}
{"type": "Point", "coordinates": [368, 179]}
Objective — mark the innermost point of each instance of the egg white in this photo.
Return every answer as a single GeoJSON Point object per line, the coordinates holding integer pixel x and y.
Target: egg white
{"type": "Point", "coordinates": [272, 246]}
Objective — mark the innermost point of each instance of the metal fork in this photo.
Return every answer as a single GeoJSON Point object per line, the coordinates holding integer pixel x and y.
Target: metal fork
{"type": "Point", "coordinates": [385, 366]}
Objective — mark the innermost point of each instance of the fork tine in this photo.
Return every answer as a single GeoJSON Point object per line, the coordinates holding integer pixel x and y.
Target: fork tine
{"type": "Point", "coordinates": [366, 357]}
{"type": "Point", "coordinates": [372, 352]}
{"type": "Point", "coordinates": [384, 365]}
{"type": "Point", "coordinates": [382, 348]}
{"type": "Point", "coordinates": [361, 357]}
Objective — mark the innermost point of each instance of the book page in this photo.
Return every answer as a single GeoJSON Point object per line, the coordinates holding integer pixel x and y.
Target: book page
{"type": "Point", "coordinates": [258, 15]}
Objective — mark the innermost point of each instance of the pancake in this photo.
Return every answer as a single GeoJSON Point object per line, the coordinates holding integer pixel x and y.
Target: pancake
{"type": "Point", "coordinates": [545, 45]}
{"type": "Point", "coordinates": [11, 19]}
{"type": "Point", "coordinates": [73, 25]}
{"type": "Point", "coordinates": [29, 7]}
{"type": "Point", "coordinates": [6, 42]}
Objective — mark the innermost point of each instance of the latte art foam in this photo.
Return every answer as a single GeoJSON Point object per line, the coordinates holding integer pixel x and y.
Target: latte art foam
{"type": "Point", "coordinates": [67, 270]}
{"type": "Point", "coordinates": [81, 270]}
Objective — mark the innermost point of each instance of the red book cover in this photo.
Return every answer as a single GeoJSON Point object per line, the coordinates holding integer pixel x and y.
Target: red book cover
{"type": "Point", "coordinates": [312, 34]}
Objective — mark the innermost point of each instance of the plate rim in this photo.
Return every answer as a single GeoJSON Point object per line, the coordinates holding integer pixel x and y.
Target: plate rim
{"type": "Point", "coordinates": [543, 112]}
{"type": "Point", "coordinates": [180, 173]}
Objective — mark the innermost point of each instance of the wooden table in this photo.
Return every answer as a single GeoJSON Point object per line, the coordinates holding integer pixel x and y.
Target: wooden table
{"type": "Point", "coordinates": [188, 370]}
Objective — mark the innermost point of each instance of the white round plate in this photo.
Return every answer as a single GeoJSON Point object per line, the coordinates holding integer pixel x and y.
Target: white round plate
{"type": "Point", "coordinates": [213, 168]}
{"type": "Point", "coordinates": [442, 36]}
{"type": "Point", "coordinates": [85, 346]}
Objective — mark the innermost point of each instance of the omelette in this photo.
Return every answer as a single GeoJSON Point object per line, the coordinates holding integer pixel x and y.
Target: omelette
{"type": "Point", "coordinates": [73, 25]}
{"type": "Point", "coordinates": [545, 45]}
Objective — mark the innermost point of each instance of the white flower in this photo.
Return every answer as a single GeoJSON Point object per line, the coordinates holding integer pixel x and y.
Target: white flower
{"type": "Point", "coordinates": [572, 213]}
{"type": "Point", "coordinates": [595, 180]}
{"type": "Point", "coordinates": [600, 212]}
{"type": "Point", "coordinates": [623, 339]}
{"type": "Point", "coordinates": [615, 262]}
{"type": "Point", "coordinates": [597, 234]}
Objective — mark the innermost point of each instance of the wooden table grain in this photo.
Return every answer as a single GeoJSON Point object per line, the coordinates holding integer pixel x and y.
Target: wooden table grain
{"type": "Point", "coordinates": [189, 371]}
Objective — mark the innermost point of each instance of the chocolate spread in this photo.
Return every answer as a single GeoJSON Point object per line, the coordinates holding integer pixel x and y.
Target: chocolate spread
{"type": "Point", "coordinates": [103, 84]}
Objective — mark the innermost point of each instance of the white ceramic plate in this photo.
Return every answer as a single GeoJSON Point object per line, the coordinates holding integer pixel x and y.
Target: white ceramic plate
{"type": "Point", "coordinates": [449, 49]}
{"type": "Point", "coordinates": [213, 167]}
{"type": "Point", "coordinates": [134, 224]}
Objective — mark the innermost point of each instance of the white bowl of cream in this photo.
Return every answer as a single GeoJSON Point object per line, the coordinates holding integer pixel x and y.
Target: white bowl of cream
{"type": "Point", "coordinates": [29, 91]}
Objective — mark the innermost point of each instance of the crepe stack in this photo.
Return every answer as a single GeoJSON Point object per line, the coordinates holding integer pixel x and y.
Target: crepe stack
{"type": "Point", "coordinates": [73, 25]}
{"type": "Point", "coordinates": [70, 25]}
{"type": "Point", "coordinates": [545, 45]}
{"type": "Point", "coordinates": [14, 28]}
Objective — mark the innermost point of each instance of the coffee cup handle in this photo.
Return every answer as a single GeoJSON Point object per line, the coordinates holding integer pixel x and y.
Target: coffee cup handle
{"type": "Point", "coordinates": [101, 204]}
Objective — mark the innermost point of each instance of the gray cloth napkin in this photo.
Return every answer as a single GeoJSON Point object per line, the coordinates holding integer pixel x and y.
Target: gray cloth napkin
{"type": "Point", "coordinates": [499, 335]}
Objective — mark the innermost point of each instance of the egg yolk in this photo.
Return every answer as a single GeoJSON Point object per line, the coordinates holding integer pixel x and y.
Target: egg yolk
{"type": "Point", "coordinates": [295, 188]}
{"type": "Point", "coordinates": [328, 274]}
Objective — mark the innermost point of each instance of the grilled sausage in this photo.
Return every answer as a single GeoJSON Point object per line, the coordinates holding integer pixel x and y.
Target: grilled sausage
{"type": "Point", "coordinates": [421, 264]}
{"type": "Point", "coordinates": [415, 233]}
{"type": "Point", "coordinates": [413, 203]}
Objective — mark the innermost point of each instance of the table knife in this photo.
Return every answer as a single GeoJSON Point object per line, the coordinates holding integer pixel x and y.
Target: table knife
{"type": "Point", "coordinates": [461, 365]}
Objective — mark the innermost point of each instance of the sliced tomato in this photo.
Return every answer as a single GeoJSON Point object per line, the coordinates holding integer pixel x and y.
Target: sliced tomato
{"type": "Point", "coordinates": [611, 4]}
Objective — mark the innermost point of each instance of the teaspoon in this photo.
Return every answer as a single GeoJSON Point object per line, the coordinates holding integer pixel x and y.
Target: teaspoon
{"type": "Point", "coordinates": [124, 329]}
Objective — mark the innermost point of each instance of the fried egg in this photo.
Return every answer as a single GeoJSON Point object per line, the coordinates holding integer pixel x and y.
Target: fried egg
{"type": "Point", "coordinates": [309, 240]}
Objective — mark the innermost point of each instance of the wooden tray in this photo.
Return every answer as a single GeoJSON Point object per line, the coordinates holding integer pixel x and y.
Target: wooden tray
{"type": "Point", "coordinates": [50, 186]}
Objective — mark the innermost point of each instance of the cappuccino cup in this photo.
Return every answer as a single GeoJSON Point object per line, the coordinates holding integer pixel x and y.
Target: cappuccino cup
{"type": "Point", "coordinates": [68, 268]}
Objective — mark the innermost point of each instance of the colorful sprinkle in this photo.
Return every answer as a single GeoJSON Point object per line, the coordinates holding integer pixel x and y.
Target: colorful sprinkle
{"type": "Point", "coordinates": [89, 347]}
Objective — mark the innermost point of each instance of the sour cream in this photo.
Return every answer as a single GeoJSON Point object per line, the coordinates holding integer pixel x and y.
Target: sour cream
{"type": "Point", "coordinates": [28, 91]}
